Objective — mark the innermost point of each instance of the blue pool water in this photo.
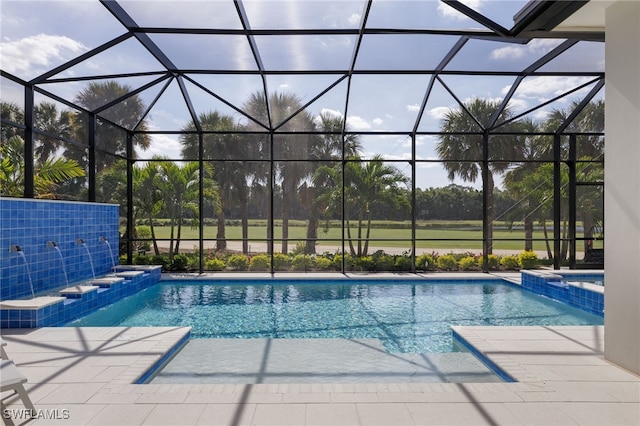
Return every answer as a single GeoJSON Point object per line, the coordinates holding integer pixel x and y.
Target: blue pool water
{"type": "Point", "coordinates": [406, 316]}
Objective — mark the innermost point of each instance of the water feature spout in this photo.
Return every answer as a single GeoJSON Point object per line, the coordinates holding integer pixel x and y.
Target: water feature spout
{"type": "Point", "coordinates": [113, 262]}
{"type": "Point", "coordinates": [81, 242]}
{"type": "Point", "coordinates": [53, 245]}
{"type": "Point", "coordinates": [14, 248]}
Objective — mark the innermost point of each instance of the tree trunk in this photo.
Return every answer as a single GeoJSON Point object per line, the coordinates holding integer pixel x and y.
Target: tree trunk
{"type": "Point", "coordinates": [546, 240]}
{"type": "Point", "coordinates": [587, 225]}
{"type": "Point", "coordinates": [366, 240]}
{"type": "Point", "coordinates": [312, 233]}
{"type": "Point", "coordinates": [178, 236]}
{"type": "Point", "coordinates": [285, 214]}
{"type": "Point", "coordinates": [172, 224]}
{"type": "Point", "coordinates": [156, 250]}
{"type": "Point", "coordinates": [242, 194]}
{"type": "Point", "coordinates": [221, 239]}
{"type": "Point", "coordinates": [528, 233]}
{"type": "Point", "coordinates": [490, 212]}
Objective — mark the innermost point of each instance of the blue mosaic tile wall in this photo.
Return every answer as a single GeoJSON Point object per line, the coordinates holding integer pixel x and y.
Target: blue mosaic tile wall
{"type": "Point", "coordinates": [589, 301]}
{"type": "Point", "coordinates": [30, 224]}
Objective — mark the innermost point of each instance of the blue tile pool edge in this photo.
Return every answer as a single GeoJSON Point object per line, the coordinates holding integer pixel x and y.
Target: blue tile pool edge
{"type": "Point", "coordinates": [486, 361]}
{"type": "Point", "coordinates": [157, 366]}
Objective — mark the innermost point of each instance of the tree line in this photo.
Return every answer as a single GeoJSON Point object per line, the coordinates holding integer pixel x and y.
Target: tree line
{"type": "Point", "coordinates": [318, 174]}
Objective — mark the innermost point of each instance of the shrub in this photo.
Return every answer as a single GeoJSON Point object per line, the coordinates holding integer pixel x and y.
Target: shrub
{"type": "Point", "coordinates": [528, 259]}
{"type": "Point", "coordinates": [140, 259]}
{"type": "Point", "coordinates": [447, 262]}
{"type": "Point", "coordinates": [349, 262]}
{"type": "Point", "coordinates": [321, 263]}
{"type": "Point", "coordinates": [260, 262]}
{"type": "Point", "coordinates": [300, 248]}
{"type": "Point", "coordinates": [180, 262]}
{"type": "Point", "coordinates": [281, 262]}
{"type": "Point", "coordinates": [144, 233]}
{"type": "Point", "coordinates": [362, 263]}
{"type": "Point", "coordinates": [301, 262]}
{"type": "Point", "coordinates": [510, 262]}
{"type": "Point", "coordinates": [384, 263]}
{"type": "Point", "coordinates": [425, 262]}
{"type": "Point", "coordinates": [493, 261]}
{"type": "Point", "coordinates": [402, 263]}
{"type": "Point", "coordinates": [467, 263]}
{"type": "Point", "coordinates": [160, 259]}
{"type": "Point", "coordinates": [238, 262]}
{"type": "Point", "coordinates": [214, 264]}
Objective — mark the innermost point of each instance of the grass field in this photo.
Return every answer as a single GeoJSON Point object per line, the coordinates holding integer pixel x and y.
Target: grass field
{"type": "Point", "coordinates": [441, 235]}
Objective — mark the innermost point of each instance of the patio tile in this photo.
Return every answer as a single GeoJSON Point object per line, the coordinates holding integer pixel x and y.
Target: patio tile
{"type": "Point", "coordinates": [185, 414]}
{"type": "Point", "coordinates": [227, 414]}
{"type": "Point", "coordinates": [331, 414]}
{"type": "Point", "coordinates": [384, 414]}
{"type": "Point", "coordinates": [279, 414]}
{"type": "Point", "coordinates": [122, 414]}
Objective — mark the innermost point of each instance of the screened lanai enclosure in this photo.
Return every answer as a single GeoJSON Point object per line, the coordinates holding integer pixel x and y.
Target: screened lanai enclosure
{"type": "Point", "coordinates": [314, 135]}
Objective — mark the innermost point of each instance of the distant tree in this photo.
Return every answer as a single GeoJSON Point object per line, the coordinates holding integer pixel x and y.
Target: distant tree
{"type": "Point", "coordinates": [109, 138]}
{"type": "Point", "coordinates": [287, 147]}
{"type": "Point", "coordinates": [462, 152]}
{"type": "Point", "coordinates": [367, 184]}
{"type": "Point", "coordinates": [180, 188]}
{"type": "Point", "coordinates": [47, 175]}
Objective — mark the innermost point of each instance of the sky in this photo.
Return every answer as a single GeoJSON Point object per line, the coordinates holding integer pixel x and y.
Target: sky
{"type": "Point", "coordinates": [38, 36]}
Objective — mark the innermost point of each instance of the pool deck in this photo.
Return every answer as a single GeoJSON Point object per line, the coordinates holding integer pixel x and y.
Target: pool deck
{"type": "Point", "coordinates": [84, 376]}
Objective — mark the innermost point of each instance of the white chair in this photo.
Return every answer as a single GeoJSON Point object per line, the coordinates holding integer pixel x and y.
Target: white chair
{"type": "Point", "coordinates": [3, 353]}
{"type": "Point", "coordinates": [13, 380]}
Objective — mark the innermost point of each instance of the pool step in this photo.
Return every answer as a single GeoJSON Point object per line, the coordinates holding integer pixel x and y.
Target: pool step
{"type": "Point", "coordinates": [77, 291]}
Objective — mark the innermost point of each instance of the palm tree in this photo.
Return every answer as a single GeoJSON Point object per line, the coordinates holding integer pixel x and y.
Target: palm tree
{"type": "Point", "coordinates": [10, 112]}
{"type": "Point", "coordinates": [367, 185]}
{"type": "Point", "coordinates": [287, 147]}
{"type": "Point", "coordinates": [149, 199]}
{"type": "Point", "coordinates": [47, 175]}
{"type": "Point", "coordinates": [588, 147]}
{"type": "Point", "coordinates": [329, 147]}
{"type": "Point", "coordinates": [532, 148]}
{"type": "Point", "coordinates": [180, 190]}
{"type": "Point", "coordinates": [231, 176]}
{"type": "Point", "coordinates": [107, 137]}
{"type": "Point", "coordinates": [49, 119]}
{"type": "Point", "coordinates": [462, 152]}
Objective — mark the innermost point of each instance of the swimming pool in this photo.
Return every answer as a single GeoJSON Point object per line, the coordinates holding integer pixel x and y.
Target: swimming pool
{"type": "Point", "coordinates": [407, 316]}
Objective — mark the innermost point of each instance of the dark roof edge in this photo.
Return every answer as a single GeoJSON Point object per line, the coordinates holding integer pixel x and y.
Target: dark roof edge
{"type": "Point", "coordinates": [539, 16]}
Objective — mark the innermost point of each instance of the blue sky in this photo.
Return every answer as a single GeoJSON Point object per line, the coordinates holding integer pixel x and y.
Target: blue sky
{"type": "Point", "coordinates": [37, 36]}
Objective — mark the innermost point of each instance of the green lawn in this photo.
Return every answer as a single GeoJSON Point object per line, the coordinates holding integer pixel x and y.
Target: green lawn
{"type": "Point", "coordinates": [460, 234]}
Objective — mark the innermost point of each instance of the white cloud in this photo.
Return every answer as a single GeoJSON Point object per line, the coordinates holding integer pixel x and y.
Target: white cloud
{"type": "Point", "coordinates": [357, 123]}
{"type": "Point", "coordinates": [535, 48]}
{"type": "Point", "coordinates": [508, 52]}
{"type": "Point", "coordinates": [283, 87]}
{"type": "Point", "coordinates": [163, 145]}
{"type": "Point", "coordinates": [331, 112]}
{"type": "Point", "coordinates": [32, 55]}
{"type": "Point", "coordinates": [377, 122]}
{"type": "Point", "coordinates": [543, 88]}
{"type": "Point", "coordinates": [413, 108]}
{"type": "Point", "coordinates": [449, 12]}
{"type": "Point", "coordinates": [354, 19]}
{"type": "Point", "coordinates": [518, 105]}
{"type": "Point", "coordinates": [439, 112]}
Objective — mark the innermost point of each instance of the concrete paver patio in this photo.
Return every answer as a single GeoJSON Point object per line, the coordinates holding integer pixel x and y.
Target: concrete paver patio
{"type": "Point", "coordinates": [84, 376]}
